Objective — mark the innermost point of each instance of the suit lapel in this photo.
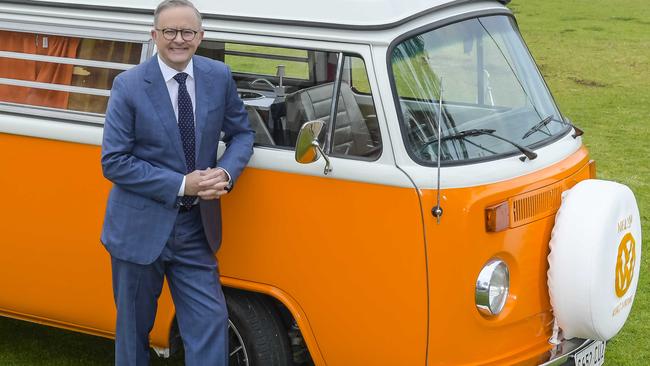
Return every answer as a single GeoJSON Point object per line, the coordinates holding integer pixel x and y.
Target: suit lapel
{"type": "Point", "coordinates": [159, 96]}
{"type": "Point", "coordinates": [202, 83]}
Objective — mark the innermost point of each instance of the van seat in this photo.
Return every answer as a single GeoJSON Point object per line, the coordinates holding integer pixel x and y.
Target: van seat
{"type": "Point", "coordinates": [262, 134]}
{"type": "Point", "coordinates": [351, 135]}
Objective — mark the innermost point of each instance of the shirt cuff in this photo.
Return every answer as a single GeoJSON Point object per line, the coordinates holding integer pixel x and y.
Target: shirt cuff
{"type": "Point", "coordinates": [229, 186]}
{"type": "Point", "coordinates": [181, 191]}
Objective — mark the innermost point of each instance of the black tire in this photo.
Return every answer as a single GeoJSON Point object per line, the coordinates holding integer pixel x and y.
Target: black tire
{"type": "Point", "coordinates": [256, 327]}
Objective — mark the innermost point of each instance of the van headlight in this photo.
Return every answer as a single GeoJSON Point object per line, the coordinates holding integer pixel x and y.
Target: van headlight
{"type": "Point", "coordinates": [492, 287]}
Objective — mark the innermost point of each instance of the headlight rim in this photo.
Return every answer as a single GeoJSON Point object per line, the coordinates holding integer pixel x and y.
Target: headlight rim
{"type": "Point", "coordinates": [484, 282]}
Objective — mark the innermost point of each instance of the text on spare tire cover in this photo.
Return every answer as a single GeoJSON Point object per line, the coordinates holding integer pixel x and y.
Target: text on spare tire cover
{"type": "Point", "coordinates": [625, 260]}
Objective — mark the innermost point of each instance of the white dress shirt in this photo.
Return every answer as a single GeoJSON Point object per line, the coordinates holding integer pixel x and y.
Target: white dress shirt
{"type": "Point", "coordinates": [172, 88]}
{"type": "Point", "coordinates": [172, 85]}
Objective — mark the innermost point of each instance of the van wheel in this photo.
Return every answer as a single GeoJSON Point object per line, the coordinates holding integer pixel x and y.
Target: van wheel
{"type": "Point", "coordinates": [257, 336]}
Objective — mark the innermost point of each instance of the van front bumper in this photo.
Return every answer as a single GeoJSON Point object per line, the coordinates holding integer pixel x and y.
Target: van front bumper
{"type": "Point", "coordinates": [562, 354]}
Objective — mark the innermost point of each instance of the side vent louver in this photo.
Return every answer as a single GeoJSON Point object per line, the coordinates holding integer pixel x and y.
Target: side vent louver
{"type": "Point", "coordinates": [535, 205]}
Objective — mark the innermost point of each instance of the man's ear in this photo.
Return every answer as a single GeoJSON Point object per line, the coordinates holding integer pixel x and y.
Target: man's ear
{"type": "Point", "coordinates": [153, 34]}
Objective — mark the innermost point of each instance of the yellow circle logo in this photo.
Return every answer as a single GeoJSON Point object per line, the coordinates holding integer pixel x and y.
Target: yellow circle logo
{"type": "Point", "coordinates": [625, 264]}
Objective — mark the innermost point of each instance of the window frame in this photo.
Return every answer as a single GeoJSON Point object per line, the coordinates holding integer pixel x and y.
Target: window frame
{"type": "Point", "coordinates": [311, 48]}
{"type": "Point", "coordinates": [308, 60]}
{"type": "Point", "coordinates": [142, 38]}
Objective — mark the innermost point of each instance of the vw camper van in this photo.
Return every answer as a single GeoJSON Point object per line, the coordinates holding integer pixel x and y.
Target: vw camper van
{"type": "Point", "coordinates": [415, 196]}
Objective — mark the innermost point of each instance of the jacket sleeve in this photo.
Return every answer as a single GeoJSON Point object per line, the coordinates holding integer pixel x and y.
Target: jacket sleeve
{"type": "Point", "coordinates": [120, 165]}
{"type": "Point", "coordinates": [238, 134]}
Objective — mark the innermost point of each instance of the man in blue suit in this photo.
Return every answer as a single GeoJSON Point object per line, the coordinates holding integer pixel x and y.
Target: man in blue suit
{"type": "Point", "coordinates": [163, 219]}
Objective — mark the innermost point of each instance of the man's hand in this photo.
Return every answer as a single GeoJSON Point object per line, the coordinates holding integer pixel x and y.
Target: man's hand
{"type": "Point", "coordinates": [213, 184]}
{"type": "Point", "coordinates": [192, 181]}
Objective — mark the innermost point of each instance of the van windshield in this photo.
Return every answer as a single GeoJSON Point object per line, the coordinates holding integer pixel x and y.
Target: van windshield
{"type": "Point", "coordinates": [489, 82]}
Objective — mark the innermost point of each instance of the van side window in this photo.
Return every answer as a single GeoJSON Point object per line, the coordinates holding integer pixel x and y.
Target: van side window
{"type": "Point", "coordinates": [68, 73]}
{"type": "Point", "coordinates": [356, 131]}
{"type": "Point", "coordinates": [283, 88]}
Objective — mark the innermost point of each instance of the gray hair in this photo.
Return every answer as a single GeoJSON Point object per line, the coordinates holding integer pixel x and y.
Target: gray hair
{"type": "Point", "coordinates": [166, 4]}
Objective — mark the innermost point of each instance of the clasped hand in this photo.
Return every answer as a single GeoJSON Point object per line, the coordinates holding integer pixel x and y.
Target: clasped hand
{"type": "Point", "coordinates": [209, 184]}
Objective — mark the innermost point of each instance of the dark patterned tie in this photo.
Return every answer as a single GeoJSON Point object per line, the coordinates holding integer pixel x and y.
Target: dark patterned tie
{"type": "Point", "coordinates": [186, 128]}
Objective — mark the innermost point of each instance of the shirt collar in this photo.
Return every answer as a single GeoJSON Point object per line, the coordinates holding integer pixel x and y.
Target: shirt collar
{"type": "Point", "coordinates": [169, 73]}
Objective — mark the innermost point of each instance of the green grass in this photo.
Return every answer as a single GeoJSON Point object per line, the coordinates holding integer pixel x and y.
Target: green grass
{"type": "Point", "coordinates": [595, 56]}
{"type": "Point", "coordinates": [27, 344]}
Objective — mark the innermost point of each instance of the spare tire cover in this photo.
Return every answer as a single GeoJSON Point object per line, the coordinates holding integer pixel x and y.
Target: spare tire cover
{"type": "Point", "coordinates": [594, 260]}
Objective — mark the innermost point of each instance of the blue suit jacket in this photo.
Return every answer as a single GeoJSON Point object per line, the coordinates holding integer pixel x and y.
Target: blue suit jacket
{"type": "Point", "coordinates": [142, 154]}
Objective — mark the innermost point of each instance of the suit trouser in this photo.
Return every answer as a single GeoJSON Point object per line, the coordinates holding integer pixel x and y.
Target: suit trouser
{"type": "Point", "coordinates": [192, 273]}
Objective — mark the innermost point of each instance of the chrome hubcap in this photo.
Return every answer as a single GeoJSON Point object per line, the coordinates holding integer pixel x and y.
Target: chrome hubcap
{"type": "Point", "coordinates": [237, 352]}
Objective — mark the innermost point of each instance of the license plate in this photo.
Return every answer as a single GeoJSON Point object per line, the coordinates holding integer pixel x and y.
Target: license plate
{"type": "Point", "coordinates": [594, 355]}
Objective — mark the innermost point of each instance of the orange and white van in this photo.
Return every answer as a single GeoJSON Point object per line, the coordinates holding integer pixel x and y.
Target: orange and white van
{"type": "Point", "coordinates": [415, 196]}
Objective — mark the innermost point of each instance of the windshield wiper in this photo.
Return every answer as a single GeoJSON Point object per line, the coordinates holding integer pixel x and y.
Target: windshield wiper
{"type": "Point", "coordinates": [546, 121]}
{"type": "Point", "coordinates": [530, 154]}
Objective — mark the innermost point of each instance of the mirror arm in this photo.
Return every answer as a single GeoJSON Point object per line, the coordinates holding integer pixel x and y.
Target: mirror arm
{"type": "Point", "coordinates": [328, 166]}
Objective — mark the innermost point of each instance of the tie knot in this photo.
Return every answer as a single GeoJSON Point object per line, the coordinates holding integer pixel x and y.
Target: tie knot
{"type": "Point", "coordinates": [181, 77]}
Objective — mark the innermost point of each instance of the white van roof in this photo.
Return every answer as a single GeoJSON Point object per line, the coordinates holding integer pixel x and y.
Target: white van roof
{"type": "Point", "coordinates": [329, 13]}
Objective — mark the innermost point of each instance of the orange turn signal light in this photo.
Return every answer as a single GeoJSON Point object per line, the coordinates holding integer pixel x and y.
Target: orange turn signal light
{"type": "Point", "coordinates": [497, 217]}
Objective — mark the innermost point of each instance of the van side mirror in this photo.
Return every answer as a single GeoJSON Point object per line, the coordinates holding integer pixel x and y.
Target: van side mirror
{"type": "Point", "coordinates": [308, 149]}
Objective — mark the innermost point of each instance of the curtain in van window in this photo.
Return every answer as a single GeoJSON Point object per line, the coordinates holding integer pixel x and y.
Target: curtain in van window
{"type": "Point", "coordinates": [16, 69]}
{"type": "Point", "coordinates": [100, 78]}
{"type": "Point", "coordinates": [44, 72]}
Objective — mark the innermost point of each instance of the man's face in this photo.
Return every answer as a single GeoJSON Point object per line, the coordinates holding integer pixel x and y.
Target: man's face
{"type": "Point", "coordinates": [177, 52]}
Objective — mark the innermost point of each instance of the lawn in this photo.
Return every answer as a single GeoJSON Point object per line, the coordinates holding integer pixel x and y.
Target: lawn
{"type": "Point", "coordinates": [595, 56]}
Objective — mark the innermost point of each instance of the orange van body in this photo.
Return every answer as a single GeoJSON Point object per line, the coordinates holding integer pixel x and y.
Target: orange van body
{"type": "Point", "coordinates": [365, 270]}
